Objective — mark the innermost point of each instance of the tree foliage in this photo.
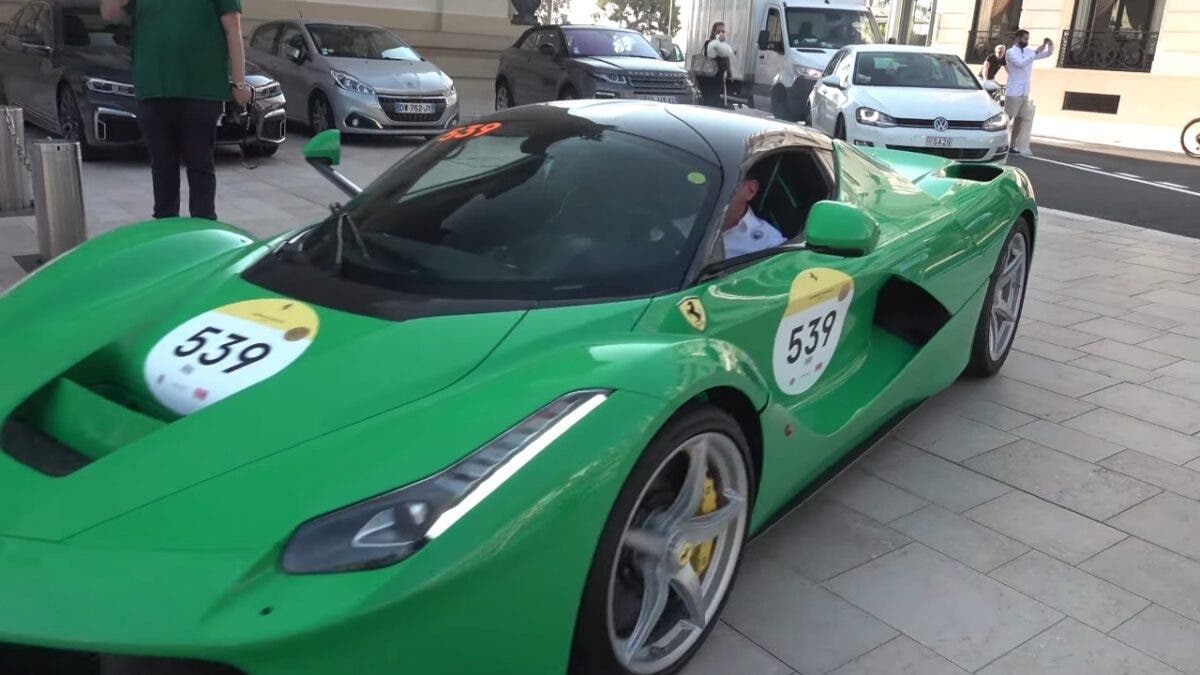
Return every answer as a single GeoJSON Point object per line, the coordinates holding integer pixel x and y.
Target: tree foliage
{"type": "Point", "coordinates": [649, 17]}
{"type": "Point", "coordinates": [553, 11]}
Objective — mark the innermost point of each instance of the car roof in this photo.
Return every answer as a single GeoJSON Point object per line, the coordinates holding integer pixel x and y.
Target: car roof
{"type": "Point", "coordinates": [306, 21]}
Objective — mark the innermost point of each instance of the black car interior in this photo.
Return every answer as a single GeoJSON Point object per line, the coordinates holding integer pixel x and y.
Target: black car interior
{"type": "Point", "coordinates": [789, 184]}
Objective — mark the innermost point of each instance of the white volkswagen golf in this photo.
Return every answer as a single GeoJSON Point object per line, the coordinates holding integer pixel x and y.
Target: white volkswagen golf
{"type": "Point", "coordinates": [909, 98]}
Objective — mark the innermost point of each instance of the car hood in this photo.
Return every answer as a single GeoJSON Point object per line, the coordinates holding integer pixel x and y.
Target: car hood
{"type": "Point", "coordinates": [629, 63]}
{"type": "Point", "coordinates": [95, 384]}
{"type": "Point", "coordinates": [393, 75]}
{"type": "Point", "coordinates": [924, 103]}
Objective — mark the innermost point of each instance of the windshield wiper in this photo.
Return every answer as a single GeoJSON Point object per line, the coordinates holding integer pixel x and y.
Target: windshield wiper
{"type": "Point", "coordinates": [343, 219]}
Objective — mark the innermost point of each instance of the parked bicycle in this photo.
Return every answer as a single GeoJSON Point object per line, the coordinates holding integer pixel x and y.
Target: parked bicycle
{"type": "Point", "coordinates": [1191, 138]}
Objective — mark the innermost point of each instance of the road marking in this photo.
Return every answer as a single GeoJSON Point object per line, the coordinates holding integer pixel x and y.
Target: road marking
{"type": "Point", "coordinates": [1122, 174]}
{"type": "Point", "coordinates": [1112, 175]}
{"type": "Point", "coordinates": [1087, 166]}
{"type": "Point", "coordinates": [1173, 185]}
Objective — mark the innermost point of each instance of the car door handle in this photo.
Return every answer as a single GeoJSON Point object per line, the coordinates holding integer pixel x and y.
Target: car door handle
{"type": "Point", "coordinates": [762, 57]}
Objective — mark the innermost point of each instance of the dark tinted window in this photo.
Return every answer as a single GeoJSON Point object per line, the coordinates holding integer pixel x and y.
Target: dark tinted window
{"type": "Point", "coordinates": [84, 27]}
{"type": "Point", "coordinates": [359, 42]}
{"type": "Point", "coordinates": [26, 24]}
{"type": "Point", "coordinates": [16, 21]}
{"type": "Point", "coordinates": [822, 28]}
{"type": "Point", "coordinates": [913, 69]}
{"type": "Point", "coordinates": [264, 37]}
{"type": "Point", "coordinates": [605, 42]}
{"type": "Point", "coordinates": [289, 39]}
{"type": "Point", "coordinates": [524, 211]}
{"type": "Point", "coordinates": [531, 40]}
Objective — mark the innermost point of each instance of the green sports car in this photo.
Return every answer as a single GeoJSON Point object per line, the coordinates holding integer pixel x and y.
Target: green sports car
{"type": "Point", "coordinates": [513, 408]}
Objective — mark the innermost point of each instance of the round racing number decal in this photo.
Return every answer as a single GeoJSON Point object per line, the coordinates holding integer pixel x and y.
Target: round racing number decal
{"type": "Point", "coordinates": [223, 351]}
{"type": "Point", "coordinates": [811, 327]}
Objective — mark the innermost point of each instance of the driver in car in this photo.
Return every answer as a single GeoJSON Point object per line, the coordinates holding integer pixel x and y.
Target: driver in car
{"type": "Point", "coordinates": [742, 231]}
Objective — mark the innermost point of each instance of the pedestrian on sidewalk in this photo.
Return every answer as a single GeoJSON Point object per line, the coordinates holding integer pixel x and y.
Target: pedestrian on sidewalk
{"type": "Point", "coordinates": [188, 60]}
{"type": "Point", "coordinates": [712, 89]}
{"type": "Point", "coordinates": [994, 63]}
{"type": "Point", "coordinates": [1018, 102]}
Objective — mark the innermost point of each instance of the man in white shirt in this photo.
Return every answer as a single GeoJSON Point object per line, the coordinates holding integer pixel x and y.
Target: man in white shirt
{"type": "Point", "coordinates": [742, 231]}
{"type": "Point", "coordinates": [1017, 100]}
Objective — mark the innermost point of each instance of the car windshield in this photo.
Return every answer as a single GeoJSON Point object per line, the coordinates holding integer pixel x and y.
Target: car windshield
{"type": "Point", "coordinates": [819, 28]}
{"type": "Point", "coordinates": [913, 69]}
{"type": "Point", "coordinates": [84, 27]}
{"type": "Point", "coordinates": [601, 42]}
{"type": "Point", "coordinates": [545, 209]}
{"type": "Point", "coordinates": [359, 42]}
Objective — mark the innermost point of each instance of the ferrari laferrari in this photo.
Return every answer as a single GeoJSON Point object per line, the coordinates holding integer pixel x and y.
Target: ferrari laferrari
{"type": "Point", "coordinates": [510, 408]}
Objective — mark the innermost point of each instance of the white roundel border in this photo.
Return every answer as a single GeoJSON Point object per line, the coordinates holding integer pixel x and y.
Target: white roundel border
{"type": "Point", "coordinates": [225, 350]}
{"type": "Point", "coordinates": [811, 328]}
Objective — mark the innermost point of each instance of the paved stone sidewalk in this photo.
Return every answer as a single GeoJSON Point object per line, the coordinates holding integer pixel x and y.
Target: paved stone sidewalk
{"type": "Point", "coordinates": [1043, 521]}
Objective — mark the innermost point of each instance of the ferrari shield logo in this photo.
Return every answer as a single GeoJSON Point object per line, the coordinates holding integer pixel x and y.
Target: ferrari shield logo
{"type": "Point", "coordinates": [693, 311]}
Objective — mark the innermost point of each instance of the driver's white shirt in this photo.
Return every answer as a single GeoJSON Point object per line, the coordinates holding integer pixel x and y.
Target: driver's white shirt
{"type": "Point", "coordinates": [749, 235]}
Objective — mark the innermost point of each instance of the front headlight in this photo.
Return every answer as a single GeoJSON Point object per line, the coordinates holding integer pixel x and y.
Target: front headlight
{"type": "Point", "coordinates": [611, 78]}
{"type": "Point", "coordinates": [997, 122]}
{"type": "Point", "coordinates": [448, 88]}
{"type": "Point", "coordinates": [350, 83]}
{"type": "Point", "coordinates": [103, 86]}
{"type": "Point", "coordinates": [806, 72]}
{"type": "Point", "coordinates": [388, 528]}
{"type": "Point", "coordinates": [874, 118]}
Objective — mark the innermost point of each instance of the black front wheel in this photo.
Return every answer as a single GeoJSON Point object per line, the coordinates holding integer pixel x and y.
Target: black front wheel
{"type": "Point", "coordinates": [320, 114]}
{"type": "Point", "coordinates": [1191, 138]}
{"type": "Point", "coordinates": [70, 122]}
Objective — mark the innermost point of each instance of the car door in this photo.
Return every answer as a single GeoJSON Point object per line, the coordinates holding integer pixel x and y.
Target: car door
{"type": "Point", "coordinates": [545, 65]}
{"type": "Point", "coordinates": [293, 77]}
{"type": "Point", "coordinates": [11, 58]}
{"type": "Point", "coordinates": [43, 90]}
{"type": "Point", "coordinates": [772, 58]}
{"type": "Point", "coordinates": [822, 101]}
{"type": "Point", "coordinates": [515, 67]}
{"type": "Point", "coordinates": [24, 57]}
{"type": "Point", "coordinates": [836, 98]}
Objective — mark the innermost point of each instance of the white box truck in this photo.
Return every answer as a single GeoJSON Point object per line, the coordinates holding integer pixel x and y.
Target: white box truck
{"type": "Point", "coordinates": [781, 47]}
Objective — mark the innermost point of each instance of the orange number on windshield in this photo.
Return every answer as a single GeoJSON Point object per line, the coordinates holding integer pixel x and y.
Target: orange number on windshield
{"type": "Point", "coordinates": [469, 131]}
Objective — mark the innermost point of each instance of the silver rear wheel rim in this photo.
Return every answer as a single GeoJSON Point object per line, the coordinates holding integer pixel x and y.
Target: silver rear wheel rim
{"type": "Point", "coordinates": [658, 546]}
{"type": "Point", "coordinates": [1007, 296]}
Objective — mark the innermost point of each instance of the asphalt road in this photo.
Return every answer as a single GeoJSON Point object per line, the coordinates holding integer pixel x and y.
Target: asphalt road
{"type": "Point", "coordinates": [1156, 190]}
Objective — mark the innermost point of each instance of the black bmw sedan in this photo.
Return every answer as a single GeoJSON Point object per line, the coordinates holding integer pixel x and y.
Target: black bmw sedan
{"type": "Point", "coordinates": [70, 71]}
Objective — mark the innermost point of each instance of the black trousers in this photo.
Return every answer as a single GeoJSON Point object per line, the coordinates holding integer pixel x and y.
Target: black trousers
{"type": "Point", "coordinates": [181, 130]}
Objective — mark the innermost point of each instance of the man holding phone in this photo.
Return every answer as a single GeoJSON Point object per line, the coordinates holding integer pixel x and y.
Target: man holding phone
{"type": "Point", "coordinates": [1018, 102]}
{"type": "Point", "coordinates": [188, 60]}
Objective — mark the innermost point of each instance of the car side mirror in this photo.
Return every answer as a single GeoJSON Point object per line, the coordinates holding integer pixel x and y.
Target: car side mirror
{"type": "Point", "coordinates": [991, 86]}
{"type": "Point", "coordinates": [667, 54]}
{"type": "Point", "coordinates": [838, 228]}
{"type": "Point", "coordinates": [548, 50]}
{"type": "Point", "coordinates": [832, 81]}
{"type": "Point", "coordinates": [323, 152]}
{"type": "Point", "coordinates": [764, 40]}
{"type": "Point", "coordinates": [297, 55]}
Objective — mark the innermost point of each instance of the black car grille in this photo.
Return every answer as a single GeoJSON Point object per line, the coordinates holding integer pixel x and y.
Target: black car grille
{"type": "Point", "coordinates": [651, 81]}
{"type": "Point", "coordinates": [23, 660]}
{"type": "Point", "coordinates": [948, 153]}
{"type": "Point", "coordinates": [388, 103]}
{"type": "Point", "coordinates": [928, 124]}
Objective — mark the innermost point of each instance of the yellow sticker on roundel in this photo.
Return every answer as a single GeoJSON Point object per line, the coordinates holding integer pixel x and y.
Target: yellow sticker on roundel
{"type": "Point", "coordinates": [222, 351]}
{"type": "Point", "coordinates": [811, 327]}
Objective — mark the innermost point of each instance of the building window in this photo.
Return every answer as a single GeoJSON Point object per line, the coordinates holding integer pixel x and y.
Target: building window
{"type": "Point", "coordinates": [994, 24]}
{"type": "Point", "coordinates": [1112, 35]}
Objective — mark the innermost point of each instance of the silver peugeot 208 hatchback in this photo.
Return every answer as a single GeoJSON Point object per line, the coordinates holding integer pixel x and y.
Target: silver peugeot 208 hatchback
{"type": "Point", "coordinates": [356, 78]}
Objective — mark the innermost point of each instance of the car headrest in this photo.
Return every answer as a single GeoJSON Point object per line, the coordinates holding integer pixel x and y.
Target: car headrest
{"type": "Point", "coordinates": [75, 34]}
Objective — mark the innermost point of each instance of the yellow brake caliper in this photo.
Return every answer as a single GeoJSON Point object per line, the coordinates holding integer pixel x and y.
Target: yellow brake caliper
{"type": "Point", "coordinates": [703, 552]}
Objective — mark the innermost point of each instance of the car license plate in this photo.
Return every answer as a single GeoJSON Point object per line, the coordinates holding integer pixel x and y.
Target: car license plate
{"type": "Point", "coordinates": [659, 99]}
{"type": "Point", "coordinates": [414, 108]}
{"type": "Point", "coordinates": [937, 141]}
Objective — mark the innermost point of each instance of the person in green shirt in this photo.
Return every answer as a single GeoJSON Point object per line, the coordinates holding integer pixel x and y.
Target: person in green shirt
{"type": "Point", "coordinates": [188, 60]}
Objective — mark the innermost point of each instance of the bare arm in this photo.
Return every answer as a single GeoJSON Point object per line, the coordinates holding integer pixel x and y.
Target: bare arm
{"type": "Point", "coordinates": [232, 23]}
{"type": "Point", "coordinates": [1046, 50]}
{"type": "Point", "coordinates": [113, 10]}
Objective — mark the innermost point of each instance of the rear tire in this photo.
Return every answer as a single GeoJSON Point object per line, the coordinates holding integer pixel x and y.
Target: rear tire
{"type": "Point", "coordinates": [568, 93]}
{"type": "Point", "coordinates": [655, 500]}
{"type": "Point", "coordinates": [1191, 138]}
{"type": "Point", "coordinates": [839, 129]}
{"type": "Point", "coordinates": [70, 122]}
{"type": "Point", "coordinates": [1001, 312]}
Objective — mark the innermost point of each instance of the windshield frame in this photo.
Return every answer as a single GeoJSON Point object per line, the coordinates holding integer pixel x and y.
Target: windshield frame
{"type": "Point", "coordinates": [958, 64]}
{"type": "Point", "coordinates": [314, 35]}
{"type": "Point", "coordinates": [568, 31]}
{"type": "Point", "coordinates": [794, 23]}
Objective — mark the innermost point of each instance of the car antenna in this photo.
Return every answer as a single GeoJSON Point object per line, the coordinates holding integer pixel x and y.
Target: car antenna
{"type": "Point", "coordinates": [301, 12]}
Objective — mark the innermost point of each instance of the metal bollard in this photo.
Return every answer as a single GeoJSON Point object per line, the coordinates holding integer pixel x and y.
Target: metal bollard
{"type": "Point", "coordinates": [58, 197]}
{"type": "Point", "coordinates": [16, 191]}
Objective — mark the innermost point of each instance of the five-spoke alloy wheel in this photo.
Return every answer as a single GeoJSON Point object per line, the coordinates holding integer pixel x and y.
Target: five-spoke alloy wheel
{"type": "Point", "coordinates": [1002, 306]}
